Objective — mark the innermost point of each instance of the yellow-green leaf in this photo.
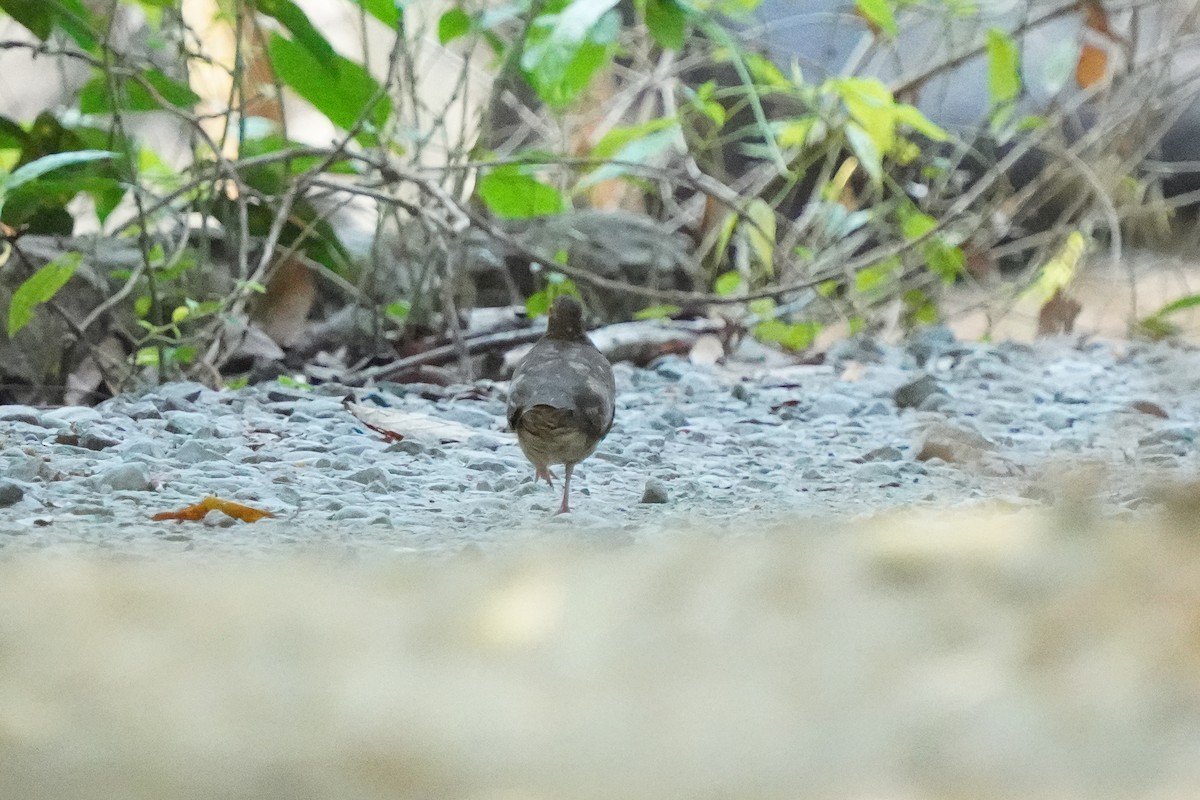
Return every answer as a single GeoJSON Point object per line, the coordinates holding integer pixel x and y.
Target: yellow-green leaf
{"type": "Point", "coordinates": [38, 288]}
{"type": "Point", "coordinates": [880, 13]}
{"type": "Point", "coordinates": [1004, 75]}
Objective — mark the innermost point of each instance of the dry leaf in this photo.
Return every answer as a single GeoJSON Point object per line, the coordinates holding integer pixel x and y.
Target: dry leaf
{"type": "Point", "coordinates": [395, 425]}
{"type": "Point", "coordinates": [1092, 66]}
{"type": "Point", "coordinates": [854, 372]}
{"type": "Point", "coordinates": [1148, 407]}
{"type": "Point", "coordinates": [1096, 18]}
{"type": "Point", "coordinates": [282, 313]}
{"type": "Point", "coordinates": [195, 513]}
{"type": "Point", "coordinates": [707, 350]}
{"type": "Point", "coordinates": [1058, 315]}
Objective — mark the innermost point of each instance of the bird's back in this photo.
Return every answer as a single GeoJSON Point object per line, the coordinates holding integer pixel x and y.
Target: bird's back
{"type": "Point", "coordinates": [572, 377]}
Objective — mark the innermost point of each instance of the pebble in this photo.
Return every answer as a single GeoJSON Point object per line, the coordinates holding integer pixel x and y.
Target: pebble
{"type": "Point", "coordinates": [10, 493]}
{"type": "Point", "coordinates": [980, 422]}
{"type": "Point", "coordinates": [130, 477]}
{"type": "Point", "coordinates": [655, 492]}
{"type": "Point", "coordinates": [25, 414]}
{"type": "Point", "coordinates": [912, 394]}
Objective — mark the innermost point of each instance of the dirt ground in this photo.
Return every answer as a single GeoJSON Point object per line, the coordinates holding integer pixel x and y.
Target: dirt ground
{"type": "Point", "coordinates": [985, 654]}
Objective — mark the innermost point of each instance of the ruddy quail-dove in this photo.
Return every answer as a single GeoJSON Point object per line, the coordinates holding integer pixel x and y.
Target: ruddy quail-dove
{"type": "Point", "coordinates": [561, 398]}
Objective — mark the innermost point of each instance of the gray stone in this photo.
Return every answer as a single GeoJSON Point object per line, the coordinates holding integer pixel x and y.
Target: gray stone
{"type": "Point", "coordinates": [884, 454]}
{"type": "Point", "coordinates": [655, 492]}
{"type": "Point", "coordinates": [26, 414]}
{"type": "Point", "coordinates": [913, 393]}
{"type": "Point", "coordinates": [10, 493]}
{"type": "Point", "coordinates": [1056, 419]}
{"type": "Point", "coordinates": [193, 452]}
{"type": "Point", "coordinates": [1185, 435]}
{"type": "Point", "coordinates": [143, 410]}
{"type": "Point", "coordinates": [188, 423]}
{"type": "Point", "coordinates": [830, 405]}
{"type": "Point", "coordinates": [93, 440]}
{"type": "Point", "coordinates": [488, 465]}
{"type": "Point", "coordinates": [934, 402]}
{"type": "Point", "coordinates": [740, 391]}
{"type": "Point", "coordinates": [878, 472]}
{"type": "Point", "coordinates": [671, 367]}
{"type": "Point", "coordinates": [374, 474]}
{"type": "Point", "coordinates": [128, 477]}
{"type": "Point", "coordinates": [22, 467]}
{"type": "Point", "coordinates": [412, 447]}
{"type": "Point", "coordinates": [73, 415]}
{"type": "Point", "coordinates": [468, 416]}
{"type": "Point", "coordinates": [139, 447]}
{"type": "Point", "coordinates": [927, 343]}
{"type": "Point", "coordinates": [669, 419]}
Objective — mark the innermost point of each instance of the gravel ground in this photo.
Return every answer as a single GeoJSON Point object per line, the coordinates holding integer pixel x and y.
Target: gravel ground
{"type": "Point", "coordinates": [937, 422]}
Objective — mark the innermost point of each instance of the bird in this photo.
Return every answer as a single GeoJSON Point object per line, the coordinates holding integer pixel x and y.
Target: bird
{"type": "Point", "coordinates": [562, 397]}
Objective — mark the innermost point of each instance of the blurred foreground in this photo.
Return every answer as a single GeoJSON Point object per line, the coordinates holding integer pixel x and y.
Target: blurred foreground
{"type": "Point", "coordinates": [968, 655]}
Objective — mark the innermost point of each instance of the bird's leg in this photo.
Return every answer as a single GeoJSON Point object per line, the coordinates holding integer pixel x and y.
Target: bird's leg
{"type": "Point", "coordinates": [543, 473]}
{"type": "Point", "coordinates": [563, 509]}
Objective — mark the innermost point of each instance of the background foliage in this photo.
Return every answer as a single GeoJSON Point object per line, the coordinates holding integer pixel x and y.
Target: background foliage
{"type": "Point", "coordinates": [808, 204]}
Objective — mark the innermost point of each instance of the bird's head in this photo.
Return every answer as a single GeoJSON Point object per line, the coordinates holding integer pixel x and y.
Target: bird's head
{"type": "Point", "coordinates": [566, 319]}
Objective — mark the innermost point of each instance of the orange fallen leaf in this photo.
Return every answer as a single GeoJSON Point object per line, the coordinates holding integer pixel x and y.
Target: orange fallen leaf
{"type": "Point", "coordinates": [1092, 66]}
{"type": "Point", "coordinates": [195, 513]}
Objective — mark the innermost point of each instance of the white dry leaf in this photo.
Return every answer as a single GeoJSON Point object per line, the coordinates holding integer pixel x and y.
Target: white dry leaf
{"type": "Point", "coordinates": [707, 350]}
{"type": "Point", "coordinates": [396, 425]}
{"type": "Point", "coordinates": [854, 372]}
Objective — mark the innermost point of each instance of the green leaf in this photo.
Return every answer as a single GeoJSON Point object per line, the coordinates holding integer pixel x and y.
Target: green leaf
{"type": "Point", "coordinates": [37, 16]}
{"type": "Point", "coordinates": [453, 24]}
{"type": "Point", "coordinates": [342, 94]}
{"type": "Point", "coordinates": [1190, 301]}
{"type": "Point", "coordinates": [657, 312]}
{"type": "Point", "coordinates": [919, 309]}
{"type": "Point", "coordinates": [96, 97]}
{"type": "Point", "coordinates": [877, 276]}
{"type": "Point", "coordinates": [301, 28]}
{"type": "Point", "coordinates": [399, 309]}
{"type": "Point", "coordinates": [727, 283]}
{"type": "Point", "coordinates": [37, 168]}
{"type": "Point", "coordinates": [870, 104]}
{"type": "Point", "coordinates": [62, 191]}
{"type": "Point", "coordinates": [41, 17]}
{"type": "Point", "coordinates": [913, 118]}
{"type": "Point", "coordinates": [760, 234]}
{"type": "Point", "coordinates": [39, 288]}
{"type": "Point", "coordinates": [184, 354]}
{"type": "Point", "coordinates": [915, 224]}
{"type": "Point", "coordinates": [389, 12]}
{"type": "Point", "coordinates": [797, 336]}
{"type": "Point", "coordinates": [667, 22]}
{"type": "Point", "coordinates": [557, 285]}
{"type": "Point", "coordinates": [509, 192]}
{"type": "Point", "coordinates": [563, 50]}
{"type": "Point", "coordinates": [637, 145]}
{"type": "Point", "coordinates": [538, 304]}
{"type": "Point", "coordinates": [1004, 68]}
{"type": "Point", "coordinates": [944, 260]}
{"type": "Point", "coordinates": [864, 147]}
{"type": "Point", "coordinates": [878, 12]}
{"type": "Point", "coordinates": [146, 357]}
